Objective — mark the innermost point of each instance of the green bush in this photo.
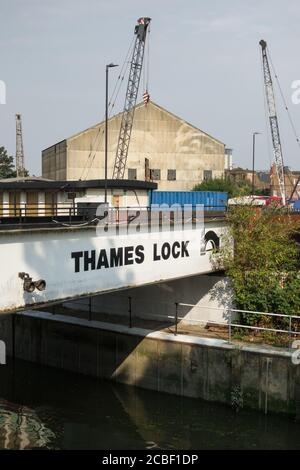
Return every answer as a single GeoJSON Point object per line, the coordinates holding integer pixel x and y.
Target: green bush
{"type": "Point", "coordinates": [226, 185]}
{"type": "Point", "coordinates": [264, 263]}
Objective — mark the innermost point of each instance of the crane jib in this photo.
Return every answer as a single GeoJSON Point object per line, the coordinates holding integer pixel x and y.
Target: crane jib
{"type": "Point", "coordinates": [270, 97]}
{"type": "Point", "coordinates": [131, 97]}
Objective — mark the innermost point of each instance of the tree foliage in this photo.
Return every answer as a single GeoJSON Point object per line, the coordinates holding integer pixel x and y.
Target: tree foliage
{"type": "Point", "coordinates": [264, 264]}
{"type": "Point", "coordinates": [7, 166]}
{"type": "Point", "coordinates": [233, 189]}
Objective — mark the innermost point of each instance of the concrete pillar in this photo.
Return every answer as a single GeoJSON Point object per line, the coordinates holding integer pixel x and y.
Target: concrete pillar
{"type": "Point", "coordinates": [297, 391]}
{"type": "Point", "coordinates": [5, 204]}
{"type": "Point", "coordinates": [41, 203]}
{"type": "Point", "coordinates": [23, 200]}
{"type": "Point", "coordinates": [62, 205]}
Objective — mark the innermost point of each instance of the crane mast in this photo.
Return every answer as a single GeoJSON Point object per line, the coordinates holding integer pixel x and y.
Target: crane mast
{"type": "Point", "coordinates": [131, 97]}
{"type": "Point", "coordinates": [19, 147]}
{"type": "Point", "coordinates": [270, 97]}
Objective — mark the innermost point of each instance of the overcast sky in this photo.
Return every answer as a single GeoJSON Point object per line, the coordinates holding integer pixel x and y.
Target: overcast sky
{"type": "Point", "coordinates": [205, 67]}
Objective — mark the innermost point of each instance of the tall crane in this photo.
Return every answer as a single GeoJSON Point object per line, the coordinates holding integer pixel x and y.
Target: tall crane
{"type": "Point", "coordinates": [19, 147]}
{"type": "Point", "coordinates": [270, 97]}
{"type": "Point", "coordinates": [131, 97]}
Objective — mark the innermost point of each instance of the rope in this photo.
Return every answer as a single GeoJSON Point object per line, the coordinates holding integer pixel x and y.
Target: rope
{"type": "Point", "coordinates": [64, 224]}
{"type": "Point", "coordinates": [148, 59]}
{"type": "Point", "coordinates": [120, 78]}
{"type": "Point", "coordinates": [111, 104]}
{"type": "Point", "coordinates": [89, 156]}
{"type": "Point", "coordinates": [285, 103]}
{"type": "Point", "coordinates": [294, 186]}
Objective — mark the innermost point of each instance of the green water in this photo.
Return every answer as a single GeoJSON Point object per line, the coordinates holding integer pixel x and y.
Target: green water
{"type": "Point", "coordinates": [47, 408]}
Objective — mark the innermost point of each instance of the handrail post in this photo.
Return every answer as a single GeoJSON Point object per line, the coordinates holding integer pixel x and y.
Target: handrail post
{"type": "Point", "coordinates": [290, 330]}
{"type": "Point", "coordinates": [90, 308]}
{"type": "Point", "coordinates": [229, 327]}
{"type": "Point", "coordinates": [176, 318]}
{"type": "Point", "coordinates": [130, 311]}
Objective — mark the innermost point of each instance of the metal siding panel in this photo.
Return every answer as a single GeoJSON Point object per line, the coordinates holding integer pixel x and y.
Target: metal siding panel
{"type": "Point", "coordinates": [211, 199]}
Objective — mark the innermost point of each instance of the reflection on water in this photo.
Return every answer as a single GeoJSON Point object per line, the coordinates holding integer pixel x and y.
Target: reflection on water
{"type": "Point", "coordinates": [22, 428]}
{"type": "Point", "coordinates": [51, 409]}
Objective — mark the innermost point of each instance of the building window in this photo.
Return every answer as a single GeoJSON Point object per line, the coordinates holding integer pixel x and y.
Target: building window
{"type": "Point", "coordinates": [155, 174]}
{"type": "Point", "coordinates": [171, 175]}
{"type": "Point", "coordinates": [132, 173]}
{"type": "Point", "coordinates": [207, 175]}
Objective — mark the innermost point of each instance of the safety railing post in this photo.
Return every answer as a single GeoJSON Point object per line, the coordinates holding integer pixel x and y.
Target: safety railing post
{"type": "Point", "coordinates": [290, 331]}
{"type": "Point", "coordinates": [130, 311]}
{"type": "Point", "coordinates": [90, 308]}
{"type": "Point", "coordinates": [176, 319]}
{"type": "Point", "coordinates": [229, 326]}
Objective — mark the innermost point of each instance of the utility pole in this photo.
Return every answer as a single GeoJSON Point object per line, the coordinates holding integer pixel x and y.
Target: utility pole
{"type": "Point", "coordinates": [19, 147]}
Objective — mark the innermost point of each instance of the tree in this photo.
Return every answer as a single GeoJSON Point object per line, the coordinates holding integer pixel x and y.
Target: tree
{"type": "Point", "coordinates": [233, 189]}
{"type": "Point", "coordinates": [7, 167]}
{"type": "Point", "coordinates": [264, 263]}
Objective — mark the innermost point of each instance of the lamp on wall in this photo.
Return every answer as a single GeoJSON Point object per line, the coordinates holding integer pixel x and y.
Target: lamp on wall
{"type": "Point", "coordinates": [29, 285]}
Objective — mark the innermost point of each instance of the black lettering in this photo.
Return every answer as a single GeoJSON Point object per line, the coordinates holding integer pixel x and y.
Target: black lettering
{"type": "Point", "coordinates": [77, 255]}
{"type": "Point", "coordinates": [89, 260]}
{"type": "Point", "coordinates": [102, 260]}
{"type": "Point", "coordinates": [184, 251]}
{"type": "Point", "coordinates": [156, 257]}
{"type": "Point", "coordinates": [166, 251]}
{"type": "Point", "coordinates": [176, 253]}
{"type": "Point", "coordinates": [128, 258]}
{"type": "Point", "coordinates": [116, 257]}
{"type": "Point", "coordinates": [139, 254]}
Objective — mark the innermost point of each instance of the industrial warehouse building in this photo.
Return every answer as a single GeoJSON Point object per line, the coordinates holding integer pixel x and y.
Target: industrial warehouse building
{"type": "Point", "coordinates": [164, 149]}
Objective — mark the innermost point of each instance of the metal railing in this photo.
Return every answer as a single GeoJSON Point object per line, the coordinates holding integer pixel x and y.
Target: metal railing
{"type": "Point", "coordinates": [16, 214]}
{"type": "Point", "coordinates": [179, 321]}
{"type": "Point", "coordinates": [230, 312]}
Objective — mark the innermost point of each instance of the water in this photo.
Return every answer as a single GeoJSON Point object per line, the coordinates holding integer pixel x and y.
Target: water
{"type": "Point", "coordinates": [47, 408]}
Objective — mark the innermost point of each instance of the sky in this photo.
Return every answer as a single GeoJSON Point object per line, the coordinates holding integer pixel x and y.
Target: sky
{"type": "Point", "coordinates": [204, 66]}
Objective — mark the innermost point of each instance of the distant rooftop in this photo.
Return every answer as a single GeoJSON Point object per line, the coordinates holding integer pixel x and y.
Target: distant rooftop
{"type": "Point", "coordinates": [33, 182]}
{"type": "Point", "coordinates": [23, 179]}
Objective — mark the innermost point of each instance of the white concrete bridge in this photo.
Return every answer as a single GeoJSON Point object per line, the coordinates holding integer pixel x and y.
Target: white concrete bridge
{"type": "Point", "coordinates": [40, 266]}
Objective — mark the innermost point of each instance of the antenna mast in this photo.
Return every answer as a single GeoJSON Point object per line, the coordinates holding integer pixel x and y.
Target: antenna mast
{"type": "Point", "coordinates": [19, 147]}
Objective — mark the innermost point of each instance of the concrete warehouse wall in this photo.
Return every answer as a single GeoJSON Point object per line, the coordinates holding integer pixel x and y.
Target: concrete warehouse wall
{"type": "Point", "coordinates": [211, 293]}
{"type": "Point", "coordinates": [213, 370]}
{"type": "Point", "coordinates": [169, 142]}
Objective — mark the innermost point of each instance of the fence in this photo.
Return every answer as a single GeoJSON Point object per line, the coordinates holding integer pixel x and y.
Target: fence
{"type": "Point", "coordinates": [178, 321]}
{"type": "Point", "coordinates": [16, 214]}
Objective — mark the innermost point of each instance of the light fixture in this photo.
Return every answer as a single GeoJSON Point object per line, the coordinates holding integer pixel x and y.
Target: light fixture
{"type": "Point", "coordinates": [29, 285]}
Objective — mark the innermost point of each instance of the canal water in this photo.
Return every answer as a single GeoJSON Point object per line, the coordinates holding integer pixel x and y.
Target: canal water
{"type": "Point", "coordinates": [50, 409]}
